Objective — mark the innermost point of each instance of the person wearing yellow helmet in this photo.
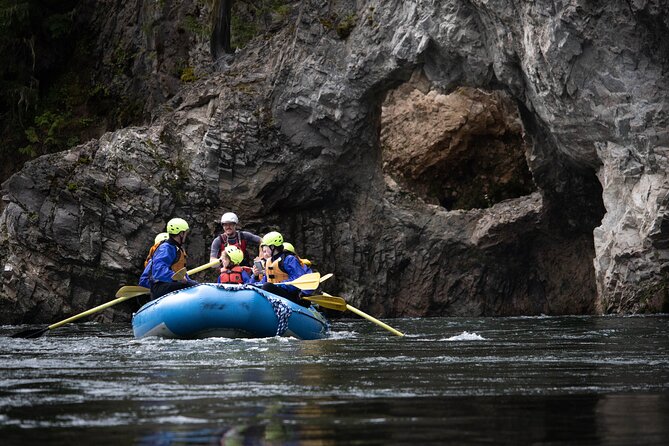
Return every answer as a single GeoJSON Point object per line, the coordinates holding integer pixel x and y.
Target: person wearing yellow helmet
{"type": "Point", "coordinates": [282, 266]}
{"type": "Point", "coordinates": [231, 237]}
{"type": "Point", "coordinates": [168, 258]}
{"type": "Point", "coordinates": [156, 242]}
{"type": "Point", "coordinates": [290, 248]}
{"type": "Point", "coordinates": [231, 270]}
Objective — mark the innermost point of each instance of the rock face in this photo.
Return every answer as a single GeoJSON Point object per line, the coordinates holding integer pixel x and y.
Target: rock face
{"type": "Point", "coordinates": [463, 150]}
{"type": "Point", "coordinates": [288, 136]}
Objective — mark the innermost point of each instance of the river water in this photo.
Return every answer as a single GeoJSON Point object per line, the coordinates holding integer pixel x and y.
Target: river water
{"type": "Point", "coordinates": [530, 380]}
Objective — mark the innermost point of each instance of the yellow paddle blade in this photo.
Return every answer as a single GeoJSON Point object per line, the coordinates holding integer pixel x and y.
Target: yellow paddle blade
{"type": "Point", "coordinates": [306, 282]}
{"type": "Point", "coordinates": [132, 291]}
{"type": "Point", "coordinates": [331, 302]}
{"type": "Point", "coordinates": [179, 275]}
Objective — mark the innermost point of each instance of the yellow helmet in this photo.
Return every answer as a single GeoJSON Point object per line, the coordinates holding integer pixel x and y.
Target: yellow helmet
{"type": "Point", "coordinates": [272, 239]}
{"type": "Point", "coordinates": [236, 255]}
{"type": "Point", "coordinates": [161, 238]}
{"type": "Point", "coordinates": [177, 226]}
{"type": "Point", "coordinates": [289, 247]}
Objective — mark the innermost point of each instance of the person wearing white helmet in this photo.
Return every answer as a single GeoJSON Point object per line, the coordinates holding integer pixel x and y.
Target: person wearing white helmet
{"type": "Point", "coordinates": [168, 258]}
{"type": "Point", "coordinates": [232, 237]}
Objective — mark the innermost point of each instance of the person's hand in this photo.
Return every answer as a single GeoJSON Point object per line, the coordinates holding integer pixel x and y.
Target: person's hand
{"type": "Point", "coordinates": [256, 271]}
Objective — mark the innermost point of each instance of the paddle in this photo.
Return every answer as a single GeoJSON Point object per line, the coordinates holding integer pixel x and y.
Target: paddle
{"type": "Point", "coordinates": [179, 275]}
{"type": "Point", "coordinates": [339, 304]}
{"type": "Point", "coordinates": [123, 294]}
{"type": "Point", "coordinates": [37, 332]}
{"type": "Point", "coordinates": [306, 282]}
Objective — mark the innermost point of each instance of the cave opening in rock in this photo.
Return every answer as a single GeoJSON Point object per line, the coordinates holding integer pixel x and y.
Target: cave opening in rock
{"type": "Point", "coordinates": [462, 150]}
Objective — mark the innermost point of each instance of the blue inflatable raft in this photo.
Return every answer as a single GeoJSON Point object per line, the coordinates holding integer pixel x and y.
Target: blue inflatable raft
{"type": "Point", "coordinates": [231, 311]}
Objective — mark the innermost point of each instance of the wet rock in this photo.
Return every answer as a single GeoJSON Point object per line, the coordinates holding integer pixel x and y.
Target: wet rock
{"type": "Point", "coordinates": [287, 135]}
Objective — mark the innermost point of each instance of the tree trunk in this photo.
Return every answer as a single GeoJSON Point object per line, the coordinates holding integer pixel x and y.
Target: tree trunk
{"type": "Point", "coordinates": [220, 36]}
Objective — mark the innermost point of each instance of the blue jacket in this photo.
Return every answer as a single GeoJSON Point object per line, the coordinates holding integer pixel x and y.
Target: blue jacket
{"type": "Point", "coordinates": [159, 267]}
{"type": "Point", "coordinates": [293, 268]}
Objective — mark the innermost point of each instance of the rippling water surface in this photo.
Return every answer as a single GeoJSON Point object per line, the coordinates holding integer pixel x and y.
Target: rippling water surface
{"type": "Point", "coordinates": [548, 380]}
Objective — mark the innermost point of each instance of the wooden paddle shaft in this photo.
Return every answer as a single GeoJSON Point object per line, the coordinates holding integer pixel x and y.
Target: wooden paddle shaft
{"type": "Point", "coordinates": [372, 319]}
{"type": "Point", "coordinates": [87, 312]}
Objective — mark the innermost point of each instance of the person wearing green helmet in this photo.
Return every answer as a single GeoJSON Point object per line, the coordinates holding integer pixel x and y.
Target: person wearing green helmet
{"type": "Point", "coordinates": [167, 259]}
{"type": "Point", "coordinates": [291, 249]}
{"type": "Point", "coordinates": [282, 266]}
{"type": "Point", "coordinates": [231, 270]}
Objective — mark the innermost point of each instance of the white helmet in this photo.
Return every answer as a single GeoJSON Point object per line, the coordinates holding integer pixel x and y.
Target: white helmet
{"type": "Point", "coordinates": [230, 217]}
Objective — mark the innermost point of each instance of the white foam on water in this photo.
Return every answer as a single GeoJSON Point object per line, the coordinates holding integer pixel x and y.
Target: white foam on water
{"type": "Point", "coordinates": [342, 334]}
{"type": "Point", "coordinates": [466, 336]}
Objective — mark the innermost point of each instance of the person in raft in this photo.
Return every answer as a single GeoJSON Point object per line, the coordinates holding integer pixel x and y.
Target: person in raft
{"type": "Point", "coordinates": [291, 249]}
{"type": "Point", "coordinates": [259, 262]}
{"type": "Point", "coordinates": [282, 266]}
{"type": "Point", "coordinates": [231, 271]}
{"type": "Point", "coordinates": [232, 237]}
{"type": "Point", "coordinates": [156, 242]}
{"type": "Point", "coordinates": [167, 259]}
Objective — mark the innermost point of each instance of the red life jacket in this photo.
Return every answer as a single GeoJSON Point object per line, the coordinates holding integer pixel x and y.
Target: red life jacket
{"type": "Point", "coordinates": [241, 244]}
{"type": "Point", "coordinates": [233, 275]}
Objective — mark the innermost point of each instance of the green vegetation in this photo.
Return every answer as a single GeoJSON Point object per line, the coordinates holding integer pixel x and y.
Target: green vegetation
{"type": "Point", "coordinates": [188, 75]}
{"type": "Point", "coordinates": [346, 25]}
{"type": "Point", "coordinates": [197, 28]}
{"type": "Point", "coordinates": [48, 100]}
{"type": "Point", "coordinates": [252, 18]}
{"type": "Point", "coordinates": [343, 26]}
{"type": "Point", "coordinates": [30, 33]}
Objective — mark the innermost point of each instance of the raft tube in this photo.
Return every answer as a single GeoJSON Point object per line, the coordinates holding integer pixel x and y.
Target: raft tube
{"type": "Point", "coordinates": [231, 311]}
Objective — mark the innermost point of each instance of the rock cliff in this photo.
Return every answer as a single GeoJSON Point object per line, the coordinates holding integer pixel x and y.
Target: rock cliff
{"type": "Point", "coordinates": [557, 133]}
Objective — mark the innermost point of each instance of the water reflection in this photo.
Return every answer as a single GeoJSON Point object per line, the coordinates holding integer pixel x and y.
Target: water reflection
{"type": "Point", "coordinates": [463, 381]}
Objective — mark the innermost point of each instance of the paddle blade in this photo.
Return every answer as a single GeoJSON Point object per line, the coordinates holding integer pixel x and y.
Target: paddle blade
{"type": "Point", "coordinates": [331, 302]}
{"type": "Point", "coordinates": [306, 282]}
{"type": "Point", "coordinates": [179, 275]}
{"type": "Point", "coordinates": [32, 333]}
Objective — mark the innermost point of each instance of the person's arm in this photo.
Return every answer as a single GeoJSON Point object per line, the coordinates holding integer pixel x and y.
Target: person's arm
{"type": "Point", "coordinates": [162, 261]}
{"type": "Point", "coordinates": [215, 249]}
{"type": "Point", "coordinates": [246, 277]}
{"type": "Point", "coordinates": [250, 237]}
{"type": "Point", "coordinates": [292, 267]}
{"type": "Point", "coordinates": [144, 278]}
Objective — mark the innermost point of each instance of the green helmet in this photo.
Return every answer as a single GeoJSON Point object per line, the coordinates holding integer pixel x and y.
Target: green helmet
{"type": "Point", "coordinates": [272, 239]}
{"type": "Point", "coordinates": [161, 238]}
{"type": "Point", "coordinates": [288, 247]}
{"type": "Point", "coordinates": [236, 255]}
{"type": "Point", "coordinates": [177, 226]}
